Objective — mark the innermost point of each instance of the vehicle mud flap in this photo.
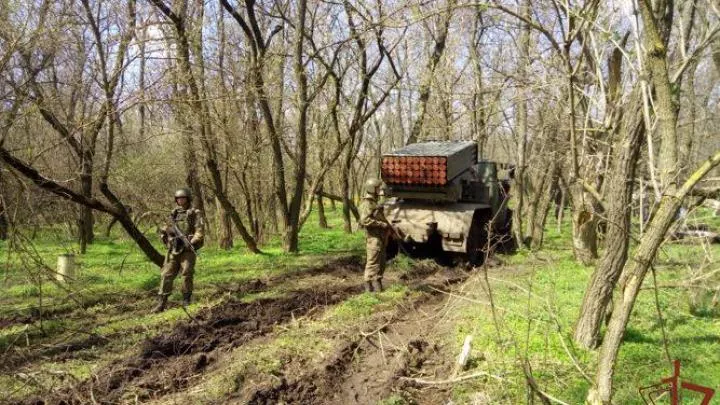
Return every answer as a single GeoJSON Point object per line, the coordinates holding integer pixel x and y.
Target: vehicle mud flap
{"type": "Point", "coordinates": [504, 239]}
{"type": "Point", "coordinates": [392, 249]}
{"type": "Point", "coordinates": [478, 238]}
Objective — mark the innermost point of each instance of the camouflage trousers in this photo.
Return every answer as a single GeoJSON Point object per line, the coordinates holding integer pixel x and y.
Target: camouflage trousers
{"type": "Point", "coordinates": [174, 264]}
{"type": "Point", "coordinates": [375, 262]}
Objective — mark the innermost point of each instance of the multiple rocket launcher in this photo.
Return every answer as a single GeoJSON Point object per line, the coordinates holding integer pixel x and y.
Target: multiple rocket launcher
{"type": "Point", "coordinates": [429, 164]}
{"type": "Point", "coordinates": [423, 170]}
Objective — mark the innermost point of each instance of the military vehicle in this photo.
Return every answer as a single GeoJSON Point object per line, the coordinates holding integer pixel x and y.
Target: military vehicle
{"type": "Point", "coordinates": [443, 201]}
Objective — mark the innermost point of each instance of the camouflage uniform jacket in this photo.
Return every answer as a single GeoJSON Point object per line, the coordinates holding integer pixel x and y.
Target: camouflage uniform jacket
{"type": "Point", "coordinates": [372, 218]}
{"type": "Point", "coordinates": [190, 223]}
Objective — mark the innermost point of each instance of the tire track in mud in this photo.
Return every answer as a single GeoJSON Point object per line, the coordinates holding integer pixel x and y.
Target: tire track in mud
{"type": "Point", "coordinates": [17, 357]}
{"type": "Point", "coordinates": [169, 362]}
{"type": "Point", "coordinates": [345, 380]}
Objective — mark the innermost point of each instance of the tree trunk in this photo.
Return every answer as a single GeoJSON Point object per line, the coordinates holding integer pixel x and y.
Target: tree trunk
{"type": "Point", "coordinates": [345, 189]}
{"type": "Point", "coordinates": [116, 210]}
{"type": "Point", "coordinates": [521, 130]}
{"type": "Point", "coordinates": [636, 270]}
{"type": "Point", "coordinates": [132, 230]}
{"type": "Point", "coordinates": [584, 228]}
{"type": "Point", "coordinates": [598, 293]}
{"type": "Point", "coordinates": [353, 208]}
{"type": "Point", "coordinates": [428, 75]}
{"type": "Point", "coordinates": [655, 37]}
{"type": "Point", "coordinates": [141, 82]}
{"type": "Point", "coordinates": [4, 227]}
{"type": "Point", "coordinates": [291, 237]}
{"type": "Point", "coordinates": [322, 219]}
{"type": "Point", "coordinates": [86, 234]}
{"type": "Point", "coordinates": [224, 227]}
{"type": "Point", "coordinates": [537, 230]}
{"type": "Point", "coordinates": [686, 140]}
{"type": "Point", "coordinates": [294, 208]}
{"type": "Point", "coordinates": [333, 205]}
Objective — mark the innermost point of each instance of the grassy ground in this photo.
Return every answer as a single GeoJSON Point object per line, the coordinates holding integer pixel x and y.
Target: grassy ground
{"type": "Point", "coordinates": [536, 296]}
{"type": "Point", "coordinates": [115, 267]}
{"type": "Point", "coordinates": [115, 288]}
{"type": "Point", "coordinates": [537, 299]}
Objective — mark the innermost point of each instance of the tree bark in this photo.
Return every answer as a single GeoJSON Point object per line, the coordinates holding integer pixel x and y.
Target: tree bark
{"type": "Point", "coordinates": [322, 219]}
{"type": "Point", "coordinates": [4, 225]}
{"type": "Point", "coordinates": [224, 227]}
{"type": "Point", "coordinates": [86, 221]}
{"type": "Point", "coordinates": [584, 223]}
{"type": "Point", "coordinates": [598, 293]}
{"type": "Point", "coordinates": [521, 133]}
{"type": "Point", "coordinates": [345, 189]}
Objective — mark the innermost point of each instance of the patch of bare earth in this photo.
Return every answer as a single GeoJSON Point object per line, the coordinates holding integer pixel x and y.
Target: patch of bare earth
{"type": "Point", "coordinates": [376, 362]}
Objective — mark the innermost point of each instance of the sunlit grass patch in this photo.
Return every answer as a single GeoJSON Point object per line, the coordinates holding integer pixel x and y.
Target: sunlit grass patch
{"type": "Point", "coordinates": [538, 304]}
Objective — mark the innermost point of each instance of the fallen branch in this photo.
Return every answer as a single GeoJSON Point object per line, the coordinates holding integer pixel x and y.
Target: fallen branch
{"type": "Point", "coordinates": [380, 329]}
{"type": "Point", "coordinates": [453, 380]}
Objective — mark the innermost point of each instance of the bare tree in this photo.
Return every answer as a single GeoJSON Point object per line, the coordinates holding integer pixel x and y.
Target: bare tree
{"type": "Point", "coordinates": [201, 111]}
{"type": "Point", "coordinates": [656, 22]}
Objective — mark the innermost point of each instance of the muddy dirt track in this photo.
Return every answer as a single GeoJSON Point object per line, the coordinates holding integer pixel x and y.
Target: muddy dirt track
{"type": "Point", "coordinates": [170, 362]}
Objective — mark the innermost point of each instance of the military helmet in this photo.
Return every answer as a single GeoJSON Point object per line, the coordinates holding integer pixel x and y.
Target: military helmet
{"type": "Point", "coordinates": [372, 186]}
{"type": "Point", "coordinates": [183, 192]}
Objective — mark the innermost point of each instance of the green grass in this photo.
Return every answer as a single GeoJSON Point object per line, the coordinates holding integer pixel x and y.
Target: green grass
{"type": "Point", "coordinates": [114, 272]}
{"type": "Point", "coordinates": [114, 267]}
{"type": "Point", "coordinates": [114, 285]}
{"type": "Point", "coordinates": [538, 299]}
{"type": "Point", "coordinates": [537, 295]}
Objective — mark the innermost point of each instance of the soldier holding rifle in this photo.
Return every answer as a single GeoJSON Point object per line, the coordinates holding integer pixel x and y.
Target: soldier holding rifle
{"type": "Point", "coordinates": [183, 236]}
{"type": "Point", "coordinates": [377, 230]}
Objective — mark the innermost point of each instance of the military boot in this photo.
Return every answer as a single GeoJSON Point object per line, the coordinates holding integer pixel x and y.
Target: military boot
{"type": "Point", "coordinates": [377, 284]}
{"type": "Point", "coordinates": [162, 302]}
{"type": "Point", "coordinates": [186, 299]}
{"type": "Point", "coordinates": [369, 286]}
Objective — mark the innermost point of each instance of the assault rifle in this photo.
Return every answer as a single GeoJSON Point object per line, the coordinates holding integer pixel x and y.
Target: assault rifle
{"type": "Point", "coordinates": [179, 234]}
{"type": "Point", "coordinates": [380, 211]}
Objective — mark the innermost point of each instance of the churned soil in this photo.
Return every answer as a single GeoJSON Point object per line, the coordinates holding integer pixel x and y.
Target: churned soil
{"type": "Point", "coordinates": [372, 366]}
{"type": "Point", "coordinates": [366, 368]}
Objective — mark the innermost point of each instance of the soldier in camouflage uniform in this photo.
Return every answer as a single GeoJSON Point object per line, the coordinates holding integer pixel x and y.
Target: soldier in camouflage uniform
{"type": "Point", "coordinates": [377, 229]}
{"type": "Point", "coordinates": [180, 256]}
